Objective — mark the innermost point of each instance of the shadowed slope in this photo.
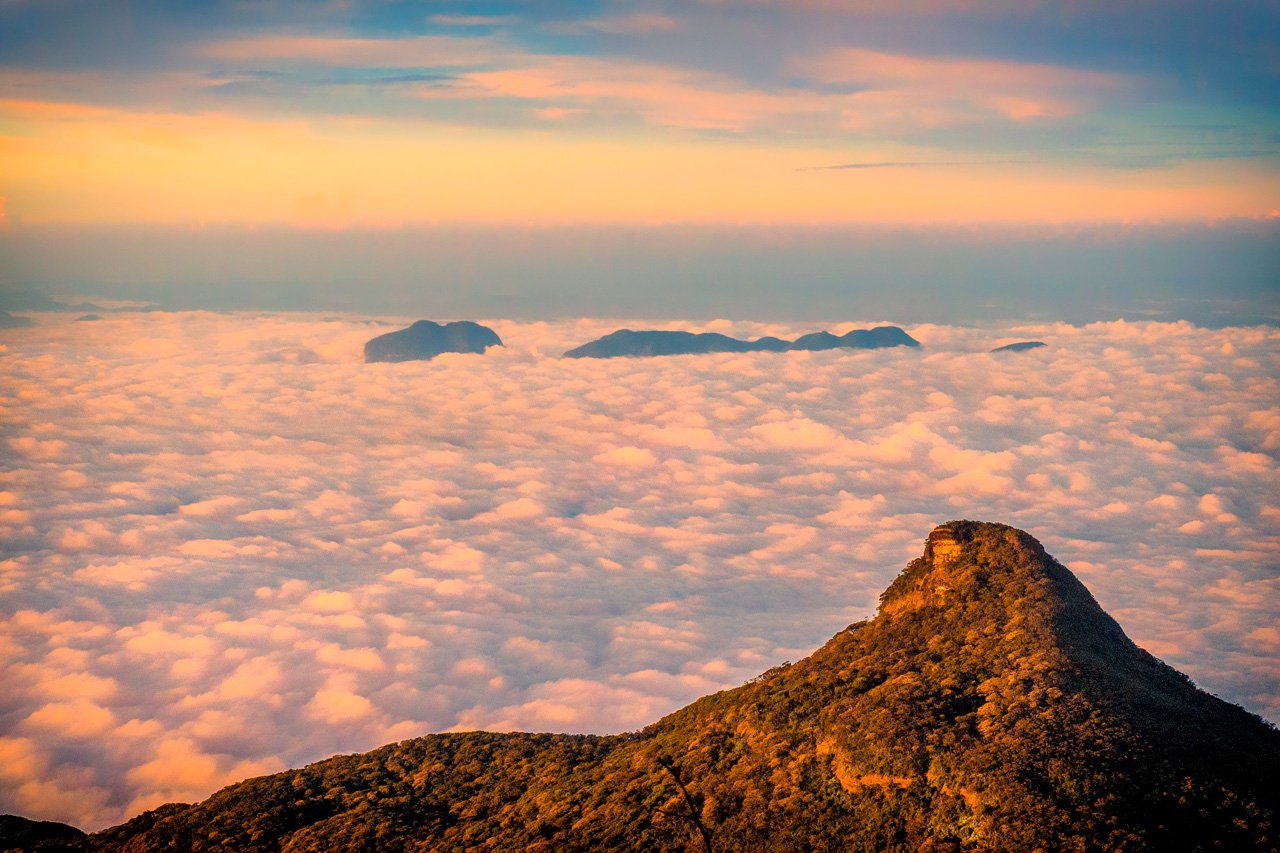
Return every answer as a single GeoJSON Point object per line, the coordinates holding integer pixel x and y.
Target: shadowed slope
{"type": "Point", "coordinates": [991, 705]}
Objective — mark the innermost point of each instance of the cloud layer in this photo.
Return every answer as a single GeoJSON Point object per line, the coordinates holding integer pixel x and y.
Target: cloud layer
{"type": "Point", "coordinates": [232, 547]}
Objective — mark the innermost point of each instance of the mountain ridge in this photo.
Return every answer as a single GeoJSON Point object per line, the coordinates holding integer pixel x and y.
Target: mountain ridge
{"type": "Point", "coordinates": [990, 705]}
{"type": "Point", "coordinates": [658, 342]}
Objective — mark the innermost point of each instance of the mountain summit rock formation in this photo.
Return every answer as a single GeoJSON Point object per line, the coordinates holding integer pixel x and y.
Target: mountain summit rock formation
{"type": "Point", "coordinates": [991, 705]}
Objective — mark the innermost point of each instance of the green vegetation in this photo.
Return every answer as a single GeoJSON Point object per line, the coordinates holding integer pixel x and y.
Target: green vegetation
{"type": "Point", "coordinates": [990, 706]}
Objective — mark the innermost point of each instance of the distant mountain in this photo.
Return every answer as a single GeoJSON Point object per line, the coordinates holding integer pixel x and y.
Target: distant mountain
{"type": "Point", "coordinates": [1020, 346]}
{"type": "Point", "coordinates": [14, 321]}
{"type": "Point", "coordinates": [659, 342]}
{"type": "Point", "coordinates": [991, 705]}
{"type": "Point", "coordinates": [426, 339]}
{"type": "Point", "coordinates": [626, 342]}
{"type": "Point", "coordinates": [27, 300]}
{"type": "Point", "coordinates": [881, 336]}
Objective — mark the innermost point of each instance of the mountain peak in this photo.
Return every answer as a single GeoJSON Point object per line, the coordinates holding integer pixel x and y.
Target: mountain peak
{"type": "Point", "coordinates": [972, 560]}
{"type": "Point", "coordinates": [992, 706]}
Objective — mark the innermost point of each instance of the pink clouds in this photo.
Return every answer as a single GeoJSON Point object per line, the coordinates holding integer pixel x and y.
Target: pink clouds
{"type": "Point", "coordinates": [888, 91]}
{"type": "Point", "coordinates": [256, 563]}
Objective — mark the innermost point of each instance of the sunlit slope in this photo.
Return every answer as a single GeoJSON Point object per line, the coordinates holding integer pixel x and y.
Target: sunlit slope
{"type": "Point", "coordinates": [991, 705]}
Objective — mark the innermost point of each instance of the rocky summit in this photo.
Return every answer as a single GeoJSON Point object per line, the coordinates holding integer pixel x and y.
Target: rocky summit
{"type": "Point", "coordinates": [990, 705]}
{"type": "Point", "coordinates": [426, 339]}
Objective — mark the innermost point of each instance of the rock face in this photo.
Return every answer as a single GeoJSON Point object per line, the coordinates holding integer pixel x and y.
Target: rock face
{"type": "Point", "coordinates": [1020, 346]}
{"type": "Point", "coordinates": [426, 339]}
{"type": "Point", "coordinates": [626, 342]}
{"type": "Point", "coordinates": [991, 705]}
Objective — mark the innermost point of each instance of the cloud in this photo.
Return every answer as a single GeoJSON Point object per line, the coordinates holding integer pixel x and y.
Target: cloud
{"type": "Point", "coordinates": [660, 94]}
{"type": "Point", "coordinates": [912, 164]}
{"type": "Point", "coordinates": [472, 20]}
{"type": "Point", "coordinates": [75, 720]}
{"type": "Point", "coordinates": [428, 51]}
{"type": "Point", "coordinates": [888, 89]}
{"type": "Point", "coordinates": [636, 23]}
{"type": "Point", "coordinates": [257, 563]}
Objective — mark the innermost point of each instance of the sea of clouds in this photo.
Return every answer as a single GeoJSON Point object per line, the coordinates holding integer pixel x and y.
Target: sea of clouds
{"type": "Point", "coordinates": [231, 547]}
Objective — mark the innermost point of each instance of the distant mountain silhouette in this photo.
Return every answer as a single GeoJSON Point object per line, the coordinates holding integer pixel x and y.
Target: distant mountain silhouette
{"type": "Point", "coordinates": [46, 836]}
{"type": "Point", "coordinates": [426, 339]}
{"type": "Point", "coordinates": [991, 705]}
{"type": "Point", "coordinates": [1020, 346]}
{"type": "Point", "coordinates": [626, 342]}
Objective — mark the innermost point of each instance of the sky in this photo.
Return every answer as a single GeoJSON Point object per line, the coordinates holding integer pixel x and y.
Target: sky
{"type": "Point", "coordinates": [231, 547]}
{"type": "Point", "coordinates": [927, 161]}
{"type": "Point", "coordinates": [390, 113]}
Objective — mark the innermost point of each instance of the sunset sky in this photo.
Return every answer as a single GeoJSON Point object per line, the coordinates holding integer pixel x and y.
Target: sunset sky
{"type": "Point", "coordinates": [402, 113]}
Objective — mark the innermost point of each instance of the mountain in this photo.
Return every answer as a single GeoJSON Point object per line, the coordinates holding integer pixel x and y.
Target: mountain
{"type": "Point", "coordinates": [991, 705]}
{"type": "Point", "coordinates": [1020, 346]}
{"type": "Point", "coordinates": [881, 336]}
{"type": "Point", "coordinates": [426, 339]}
{"type": "Point", "coordinates": [661, 342]}
{"type": "Point", "coordinates": [626, 342]}
{"type": "Point", "coordinates": [18, 833]}
{"type": "Point", "coordinates": [14, 321]}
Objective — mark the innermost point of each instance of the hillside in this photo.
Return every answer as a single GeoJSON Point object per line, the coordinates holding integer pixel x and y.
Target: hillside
{"type": "Point", "coordinates": [991, 705]}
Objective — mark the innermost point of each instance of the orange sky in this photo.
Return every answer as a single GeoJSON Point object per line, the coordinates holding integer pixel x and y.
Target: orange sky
{"type": "Point", "coordinates": [70, 163]}
{"type": "Point", "coordinates": [367, 113]}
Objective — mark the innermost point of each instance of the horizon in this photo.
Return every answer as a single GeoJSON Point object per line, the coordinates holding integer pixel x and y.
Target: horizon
{"type": "Point", "coordinates": [1215, 275]}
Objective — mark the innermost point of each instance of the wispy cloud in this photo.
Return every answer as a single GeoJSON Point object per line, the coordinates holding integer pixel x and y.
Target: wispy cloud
{"type": "Point", "coordinates": [933, 91]}
{"type": "Point", "coordinates": [912, 164]}
{"type": "Point", "coordinates": [474, 20]}
{"type": "Point", "coordinates": [636, 23]}
{"type": "Point", "coordinates": [425, 51]}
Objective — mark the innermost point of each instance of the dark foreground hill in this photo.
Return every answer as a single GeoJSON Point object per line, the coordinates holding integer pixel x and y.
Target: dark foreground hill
{"type": "Point", "coordinates": [426, 339]}
{"type": "Point", "coordinates": [991, 705]}
{"type": "Point", "coordinates": [626, 342]}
